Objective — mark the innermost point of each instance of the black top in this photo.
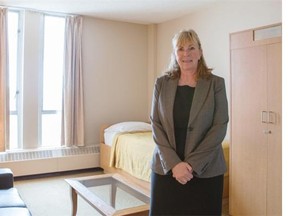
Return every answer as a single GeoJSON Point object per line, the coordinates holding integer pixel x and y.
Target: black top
{"type": "Point", "coordinates": [181, 111]}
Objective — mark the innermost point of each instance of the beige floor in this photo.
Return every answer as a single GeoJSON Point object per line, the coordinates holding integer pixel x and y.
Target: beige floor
{"type": "Point", "coordinates": [51, 196]}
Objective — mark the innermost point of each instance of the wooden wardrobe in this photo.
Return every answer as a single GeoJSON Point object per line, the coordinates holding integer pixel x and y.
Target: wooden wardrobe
{"type": "Point", "coordinates": [255, 183]}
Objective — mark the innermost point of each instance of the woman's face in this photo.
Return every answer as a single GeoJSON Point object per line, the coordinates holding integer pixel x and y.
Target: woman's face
{"type": "Point", "coordinates": [187, 56]}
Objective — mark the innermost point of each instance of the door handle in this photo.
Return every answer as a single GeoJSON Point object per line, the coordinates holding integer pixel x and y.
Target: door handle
{"type": "Point", "coordinates": [264, 116]}
{"type": "Point", "coordinates": [271, 117]}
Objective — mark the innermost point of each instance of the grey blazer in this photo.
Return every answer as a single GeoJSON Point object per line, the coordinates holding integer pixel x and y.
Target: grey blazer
{"type": "Point", "coordinates": [207, 127]}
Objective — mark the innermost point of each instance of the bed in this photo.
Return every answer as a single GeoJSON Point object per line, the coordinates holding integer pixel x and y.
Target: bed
{"type": "Point", "coordinates": [127, 148]}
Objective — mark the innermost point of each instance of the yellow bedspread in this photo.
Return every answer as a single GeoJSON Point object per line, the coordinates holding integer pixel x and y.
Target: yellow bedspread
{"type": "Point", "coordinates": [132, 152]}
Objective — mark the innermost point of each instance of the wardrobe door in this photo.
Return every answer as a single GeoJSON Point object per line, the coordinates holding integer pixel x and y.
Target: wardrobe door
{"type": "Point", "coordinates": [256, 129]}
{"type": "Point", "coordinates": [274, 170]}
{"type": "Point", "coordinates": [248, 144]}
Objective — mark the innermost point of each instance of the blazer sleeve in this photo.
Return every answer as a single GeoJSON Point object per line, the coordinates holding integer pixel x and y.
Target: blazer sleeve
{"type": "Point", "coordinates": [210, 145]}
{"type": "Point", "coordinates": [164, 150]}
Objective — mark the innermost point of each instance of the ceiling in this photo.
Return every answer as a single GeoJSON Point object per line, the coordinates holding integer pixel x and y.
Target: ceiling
{"type": "Point", "coordinates": [135, 11]}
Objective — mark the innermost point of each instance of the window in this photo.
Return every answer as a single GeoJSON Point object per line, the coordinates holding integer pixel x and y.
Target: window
{"type": "Point", "coordinates": [14, 44]}
{"type": "Point", "coordinates": [52, 81]}
{"type": "Point", "coordinates": [35, 79]}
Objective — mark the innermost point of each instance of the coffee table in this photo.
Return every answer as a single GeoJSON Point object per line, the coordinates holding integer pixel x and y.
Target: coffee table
{"type": "Point", "coordinates": [110, 194]}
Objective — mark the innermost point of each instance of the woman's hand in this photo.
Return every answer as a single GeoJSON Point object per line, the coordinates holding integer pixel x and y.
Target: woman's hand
{"type": "Point", "coordinates": [182, 172]}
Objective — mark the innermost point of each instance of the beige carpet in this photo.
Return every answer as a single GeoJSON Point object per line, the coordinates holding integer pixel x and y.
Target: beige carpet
{"type": "Point", "coordinates": [50, 196]}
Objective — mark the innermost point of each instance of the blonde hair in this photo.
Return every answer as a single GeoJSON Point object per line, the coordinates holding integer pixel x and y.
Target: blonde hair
{"type": "Point", "coordinates": [180, 39]}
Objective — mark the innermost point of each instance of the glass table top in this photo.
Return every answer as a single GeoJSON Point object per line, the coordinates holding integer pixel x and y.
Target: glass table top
{"type": "Point", "coordinates": [111, 194]}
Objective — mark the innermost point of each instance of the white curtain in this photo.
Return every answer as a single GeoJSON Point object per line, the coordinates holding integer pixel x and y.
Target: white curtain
{"type": "Point", "coordinates": [73, 110]}
{"type": "Point", "coordinates": [4, 109]}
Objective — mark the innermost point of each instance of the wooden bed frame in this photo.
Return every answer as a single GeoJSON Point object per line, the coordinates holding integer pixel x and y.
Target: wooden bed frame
{"type": "Point", "coordinates": [105, 159]}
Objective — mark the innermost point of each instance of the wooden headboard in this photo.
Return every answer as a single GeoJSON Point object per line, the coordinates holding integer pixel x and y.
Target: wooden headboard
{"type": "Point", "coordinates": [102, 128]}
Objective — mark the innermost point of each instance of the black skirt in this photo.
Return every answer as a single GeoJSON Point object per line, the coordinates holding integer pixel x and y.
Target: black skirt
{"type": "Point", "coordinates": [200, 196]}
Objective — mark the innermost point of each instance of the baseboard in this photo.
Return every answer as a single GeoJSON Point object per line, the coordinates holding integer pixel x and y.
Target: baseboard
{"type": "Point", "coordinates": [52, 165]}
{"type": "Point", "coordinates": [54, 174]}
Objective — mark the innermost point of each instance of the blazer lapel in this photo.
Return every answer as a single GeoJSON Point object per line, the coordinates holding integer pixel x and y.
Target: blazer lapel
{"type": "Point", "coordinates": [170, 92]}
{"type": "Point", "coordinates": [201, 91]}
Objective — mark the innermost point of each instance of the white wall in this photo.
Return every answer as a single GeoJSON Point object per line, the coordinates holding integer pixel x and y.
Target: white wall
{"type": "Point", "coordinates": [121, 60]}
{"type": "Point", "coordinates": [213, 25]}
{"type": "Point", "coordinates": [115, 74]}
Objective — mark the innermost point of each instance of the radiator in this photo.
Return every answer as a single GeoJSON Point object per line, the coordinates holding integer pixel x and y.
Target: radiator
{"type": "Point", "coordinates": [33, 162]}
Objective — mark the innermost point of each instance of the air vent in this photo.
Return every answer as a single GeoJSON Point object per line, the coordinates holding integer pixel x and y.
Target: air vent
{"type": "Point", "coordinates": [49, 153]}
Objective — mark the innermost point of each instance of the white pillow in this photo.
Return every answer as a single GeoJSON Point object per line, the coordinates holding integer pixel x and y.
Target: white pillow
{"type": "Point", "coordinates": [130, 126]}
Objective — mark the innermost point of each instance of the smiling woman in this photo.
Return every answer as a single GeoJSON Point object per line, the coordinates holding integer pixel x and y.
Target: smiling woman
{"type": "Point", "coordinates": [189, 120]}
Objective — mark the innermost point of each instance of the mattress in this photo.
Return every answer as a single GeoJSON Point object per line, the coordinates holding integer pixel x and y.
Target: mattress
{"type": "Point", "coordinates": [132, 152]}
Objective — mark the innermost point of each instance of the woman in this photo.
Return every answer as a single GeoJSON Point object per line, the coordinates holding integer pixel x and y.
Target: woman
{"type": "Point", "coordinates": [189, 119]}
